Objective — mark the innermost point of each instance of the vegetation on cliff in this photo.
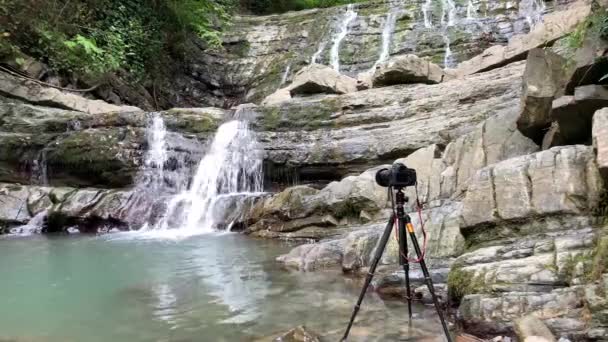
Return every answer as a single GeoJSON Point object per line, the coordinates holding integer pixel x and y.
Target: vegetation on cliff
{"type": "Point", "coordinates": [91, 38]}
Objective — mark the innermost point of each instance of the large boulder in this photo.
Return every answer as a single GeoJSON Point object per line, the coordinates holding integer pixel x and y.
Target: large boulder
{"type": "Point", "coordinates": [35, 93]}
{"type": "Point", "coordinates": [600, 140]}
{"type": "Point", "coordinates": [407, 69]}
{"type": "Point", "coordinates": [543, 80]}
{"type": "Point", "coordinates": [575, 113]}
{"type": "Point", "coordinates": [554, 26]}
{"type": "Point", "coordinates": [317, 78]}
{"type": "Point", "coordinates": [530, 328]}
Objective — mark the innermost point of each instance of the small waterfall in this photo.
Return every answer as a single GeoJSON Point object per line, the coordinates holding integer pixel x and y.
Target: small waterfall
{"type": "Point", "coordinates": [532, 11]}
{"type": "Point", "coordinates": [318, 53]}
{"type": "Point", "coordinates": [156, 156]}
{"type": "Point", "coordinates": [348, 17]}
{"type": "Point", "coordinates": [448, 58]}
{"type": "Point", "coordinates": [285, 75]}
{"type": "Point", "coordinates": [227, 176]}
{"type": "Point", "coordinates": [448, 11]}
{"type": "Point", "coordinates": [426, 12]}
{"type": "Point", "coordinates": [39, 169]}
{"type": "Point", "coordinates": [33, 226]}
{"type": "Point", "coordinates": [471, 10]}
{"type": "Point", "coordinates": [387, 34]}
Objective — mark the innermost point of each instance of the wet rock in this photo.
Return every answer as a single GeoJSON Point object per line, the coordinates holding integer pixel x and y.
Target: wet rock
{"type": "Point", "coordinates": [532, 329]}
{"type": "Point", "coordinates": [575, 113]}
{"type": "Point", "coordinates": [407, 69]}
{"type": "Point", "coordinates": [313, 256]}
{"type": "Point", "coordinates": [35, 93]}
{"type": "Point", "coordinates": [423, 294]}
{"type": "Point", "coordinates": [554, 26]}
{"type": "Point", "coordinates": [319, 79]}
{"type": "Point", "coordinates": [543, 79]}
{"type": "Point", "coordinates": [600, 139]}
{"type": "Point", "coordinates": [364, 80]}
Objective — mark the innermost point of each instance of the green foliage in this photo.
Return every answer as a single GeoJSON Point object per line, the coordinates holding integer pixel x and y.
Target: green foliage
{"type": "Point", "coordinates": [594, 27]}
{"type": "Point", "coordinates": [92, 38]}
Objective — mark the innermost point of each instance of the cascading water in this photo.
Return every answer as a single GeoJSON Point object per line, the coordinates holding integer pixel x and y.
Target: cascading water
{"type": "Point", "coordinates": [227, 176]}
{"type": "Point", "coordinates": [156, 156]}
{"type": "Point", "coordinates": [448, 58]}
{"type": "Point", "coordinates": [285, 75]}
{"type": "Point", "coordinates": [448, 10]}
{"type": "Point", "coordinates": [348, 17]}
{"type": "Point", "coordinates": [39, 170]}
{"type": "Point", "coordinates": [318, 53]}
{"type": "Point", "coordinates": [387, 34]}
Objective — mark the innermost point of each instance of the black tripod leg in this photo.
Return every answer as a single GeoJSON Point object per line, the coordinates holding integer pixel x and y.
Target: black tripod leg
{"type": "Point", "coordinates": [370, 273]}
{"type": "Point", "coordinates": [406, 265]}
{"type": "Point", "coordinates": [429, 281]}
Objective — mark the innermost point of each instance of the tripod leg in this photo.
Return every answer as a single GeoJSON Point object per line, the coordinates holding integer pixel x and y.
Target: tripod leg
{"type": "Point", "coordinates": [370, 274]}
{"type": "Point", "coordinates": [406, 265]}
{"type": "Point", "coordinates": [429, 281]}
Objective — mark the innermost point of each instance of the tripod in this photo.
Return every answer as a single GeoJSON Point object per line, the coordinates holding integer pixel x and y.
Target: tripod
{"type": "Point", "coordinates": [404, 222]}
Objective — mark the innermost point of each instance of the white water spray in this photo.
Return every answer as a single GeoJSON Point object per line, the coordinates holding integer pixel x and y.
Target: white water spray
{"type": "Point", "coordinates": [387, 34]}
{"type": "Point", "coordinates": [228, 174]}
{"type": "Point", "coordinates": [318, 53]}
{"type": "Point", "coordinates": [448, 58]}
{"type": "Point", "coordinates": [349, 16]}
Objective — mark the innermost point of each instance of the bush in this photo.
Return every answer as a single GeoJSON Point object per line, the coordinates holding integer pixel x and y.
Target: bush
{"type": "Point", "coordinates": [280, 6]}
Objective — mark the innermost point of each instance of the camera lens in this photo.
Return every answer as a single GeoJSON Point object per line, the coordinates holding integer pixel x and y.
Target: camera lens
{"type": "Point", "coordinates": [383, 177]}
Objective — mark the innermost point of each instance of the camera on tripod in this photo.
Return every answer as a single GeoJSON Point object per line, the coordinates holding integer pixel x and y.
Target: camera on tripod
{"type": "Point", "coordinates": [398, 176]}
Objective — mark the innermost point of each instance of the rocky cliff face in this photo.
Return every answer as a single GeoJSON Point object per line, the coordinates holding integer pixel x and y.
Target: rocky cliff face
{"type": "Point", "coordinates": [511, 155]}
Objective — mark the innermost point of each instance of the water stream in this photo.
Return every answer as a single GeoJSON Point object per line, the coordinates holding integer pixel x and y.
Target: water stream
{"type": "Point", "coordinates": [532, 11]}
{"type": "Point", "coordinates": [347, 19]}
{"type": "Point", "coordinates": [387, 33]}
{"type": "Point", "coordinates": [216, 287]}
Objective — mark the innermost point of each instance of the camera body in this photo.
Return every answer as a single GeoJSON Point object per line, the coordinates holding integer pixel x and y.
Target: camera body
{"type": "Point", "coordinates": [398, 176]}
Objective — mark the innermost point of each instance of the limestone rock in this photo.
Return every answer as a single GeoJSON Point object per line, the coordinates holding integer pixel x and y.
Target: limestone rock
{"type": "Point", "coordinates": [364, 80]}
{"type": "Point", "coordinates": [600, 139]}
{"type": "Point", "coordinates": [531, 329]}
{"type": "Point", "coordinates": [553, 137]}
{"type": "Point", "coordinates": [562, 180]}
{"type": "Point", "coordinates": [36, 93]}
{"type": "Point", "coordinates": [407, 69]}
{"type": "Point", "coordinates": [277, 97]}
{"type": "Point", "coordinates": [575, 113]}
{"type": "Point", "coordinates": [317, 79]}
{"type": "Point", "coordinates": [313, 256]}
{"type": "Point", "coordinates": [553, 26]}
{"type": "Point", "coordinates": [543, 80]}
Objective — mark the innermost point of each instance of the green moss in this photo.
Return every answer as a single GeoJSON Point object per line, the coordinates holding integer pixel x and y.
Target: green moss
{"type": "Point", "coordinates": [462, 283]}
{"type": "Point", "coordinates": [298, 116]}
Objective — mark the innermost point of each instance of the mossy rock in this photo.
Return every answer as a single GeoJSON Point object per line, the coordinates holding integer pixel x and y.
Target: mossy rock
{"type": "Point", "coordinates": [462, 282]}
{"type": "Point", "coordinates": [297, 116]}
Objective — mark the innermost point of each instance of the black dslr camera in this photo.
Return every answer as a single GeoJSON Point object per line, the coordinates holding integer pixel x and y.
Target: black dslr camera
{"type": "Point", "coordinates": [398, 176]}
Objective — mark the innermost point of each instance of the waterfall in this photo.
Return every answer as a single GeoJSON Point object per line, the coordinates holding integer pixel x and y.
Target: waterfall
{"type": "Point", "coordinates": [448, 58]}
{"type": "Point", "coordinates": [318, 53]}
{"type": "Point", "coordinates": [532, 11]}
{"type": "Point", "coordinates": [348, 17]}
{"type": "Point", "coordinates": [448, 9]}
{"type": "Point", "coordinates": [33, 226]}
{"type": "Point", "coordinates": [285, 75]}
{"type": "Point", "coordinates": [471, 10]}
{"type": "Point", "coordinates": [39, 174]}
{"type": "Point", "coordinates": [387, 34]}
{"type": "Point", "coordinates": [156, 156]}
{"type": "Point", "coordinates": [426, 12]}
{"type": "Point", "coordinates": [228, 175]}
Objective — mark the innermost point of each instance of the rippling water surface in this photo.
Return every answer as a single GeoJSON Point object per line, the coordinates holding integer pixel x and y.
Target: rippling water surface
{"type": "Point", "coordinates": [133, 287]}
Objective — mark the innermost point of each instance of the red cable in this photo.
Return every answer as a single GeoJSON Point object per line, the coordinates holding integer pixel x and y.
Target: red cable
{"type": "Point", "coordinates": [424, 242]}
